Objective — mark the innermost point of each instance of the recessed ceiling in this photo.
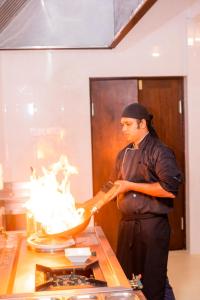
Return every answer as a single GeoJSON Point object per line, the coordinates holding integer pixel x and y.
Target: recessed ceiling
{"type": "Point", "coordinates": [66, 24]}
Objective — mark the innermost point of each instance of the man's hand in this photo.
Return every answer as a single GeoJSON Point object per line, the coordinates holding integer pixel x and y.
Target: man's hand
{"type": "Point", "coordinates": [124, 186]}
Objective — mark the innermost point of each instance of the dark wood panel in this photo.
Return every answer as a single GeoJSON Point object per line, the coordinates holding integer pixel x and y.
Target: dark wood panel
{"type": "Point", "coordinates": [109, 97]}
{"type": "Point", "coordinates": [161, 97]}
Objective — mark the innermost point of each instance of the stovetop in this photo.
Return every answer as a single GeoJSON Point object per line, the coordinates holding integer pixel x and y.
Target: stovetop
{"type": "Point", "coordinates": [48, 279]}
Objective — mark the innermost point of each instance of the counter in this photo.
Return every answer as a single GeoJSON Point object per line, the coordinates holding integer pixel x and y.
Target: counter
{"type": "Point", "coordinates": [17, 269]}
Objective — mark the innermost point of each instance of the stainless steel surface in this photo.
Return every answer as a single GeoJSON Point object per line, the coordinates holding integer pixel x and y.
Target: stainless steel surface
{"type": "Point", "coordinates": [63, 24]}
{"type": "Point", "coordinates": [120, 295]}
{"type": "Point", "coordinates": [83, 297]}
{"type": "Point", "coordinates": [8, 253]}
{"type": "Point", "coordinates": [47, 244]}
{"type": "Point", "coordinates": [105, 295]}
{"type": "Point", "coordinates": [17, 267]}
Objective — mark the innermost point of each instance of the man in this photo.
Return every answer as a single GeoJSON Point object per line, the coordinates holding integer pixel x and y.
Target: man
{"type": "Point", "coordinates": [148, 179]}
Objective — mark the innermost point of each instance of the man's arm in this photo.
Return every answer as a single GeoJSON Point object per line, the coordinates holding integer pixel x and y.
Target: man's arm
{"type": "Point", "coordinates": [152, 189]}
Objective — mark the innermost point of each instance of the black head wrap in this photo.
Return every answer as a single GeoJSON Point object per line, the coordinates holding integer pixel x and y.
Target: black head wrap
{"type": "Point", "coordinates": [138, 111]}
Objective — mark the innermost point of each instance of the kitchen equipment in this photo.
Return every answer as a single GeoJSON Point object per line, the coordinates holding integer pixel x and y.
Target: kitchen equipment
{"type": "Point", "coordinates": [78, 255]}
{"type": "Point", "coordinates": [57, 278]}
{"type": "Point", "coordinates": [49, 244]}
{"type": "Point", "coordinates": [106, 194]}
{"type": "Point", "coordinates": [18, 270]}
{"type": "Point", "coordinates": [38, 239]}
{"type": "Point", "coordinates": [14, 195]}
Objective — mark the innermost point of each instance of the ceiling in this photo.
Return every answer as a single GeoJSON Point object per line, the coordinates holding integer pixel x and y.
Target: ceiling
{"type": "Point", "coordinates": [66, 24]}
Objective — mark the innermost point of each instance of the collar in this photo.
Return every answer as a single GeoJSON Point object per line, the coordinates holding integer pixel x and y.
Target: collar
{"type": "Point", "coordinates": [141, 142]}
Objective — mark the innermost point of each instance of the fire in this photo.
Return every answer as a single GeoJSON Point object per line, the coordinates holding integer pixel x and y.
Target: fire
{"type": "Point", "coordinates": [51, 202]}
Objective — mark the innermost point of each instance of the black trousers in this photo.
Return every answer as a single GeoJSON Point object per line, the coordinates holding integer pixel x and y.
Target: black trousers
{"type": "Point", "coordinates": [143, 245]}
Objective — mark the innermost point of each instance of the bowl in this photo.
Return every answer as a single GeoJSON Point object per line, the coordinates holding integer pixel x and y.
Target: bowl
{"type": "Point", "coordinates": [78, 255]}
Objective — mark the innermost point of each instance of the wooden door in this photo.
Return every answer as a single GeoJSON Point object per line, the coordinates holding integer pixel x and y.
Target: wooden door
{"type": "Point", "coordinates": [164, 98]}
{"type": "Point", "coordinates": [108, 98]}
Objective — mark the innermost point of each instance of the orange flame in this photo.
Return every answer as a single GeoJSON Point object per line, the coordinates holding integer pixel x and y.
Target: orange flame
{"type": "Point", "coordinates": [51, 202]}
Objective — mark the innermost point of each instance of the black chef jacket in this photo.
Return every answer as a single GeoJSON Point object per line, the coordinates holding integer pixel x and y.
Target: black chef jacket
{"type": "Point", "coordinates": [152, 162]}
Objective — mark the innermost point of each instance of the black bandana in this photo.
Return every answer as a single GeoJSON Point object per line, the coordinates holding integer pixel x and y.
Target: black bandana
{"type": "Point", "coordinates": [136, 111]}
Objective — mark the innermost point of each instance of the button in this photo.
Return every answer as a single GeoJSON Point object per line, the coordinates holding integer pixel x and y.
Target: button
{"type": "Point", "coordinates": [134, 195]}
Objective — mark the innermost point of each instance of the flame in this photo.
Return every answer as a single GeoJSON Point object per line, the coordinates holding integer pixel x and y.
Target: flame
{"type": "Point", "coordinates": [51, 202]}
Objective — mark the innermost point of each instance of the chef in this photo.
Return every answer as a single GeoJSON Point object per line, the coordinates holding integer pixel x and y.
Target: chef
{"type": "Point", "coordinates": [149, 178]}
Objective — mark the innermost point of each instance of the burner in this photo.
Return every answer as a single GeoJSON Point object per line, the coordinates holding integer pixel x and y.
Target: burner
{"type": "Point", "coordinates": [48, 279]}
{"type": "Point", "coordinates": [48, 244]}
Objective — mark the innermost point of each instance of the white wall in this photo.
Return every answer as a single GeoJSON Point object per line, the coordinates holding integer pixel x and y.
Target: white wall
{"type": "Point", "coordinates": [54, 80]}
{"type": "Point", "coordinates": [193, 123]}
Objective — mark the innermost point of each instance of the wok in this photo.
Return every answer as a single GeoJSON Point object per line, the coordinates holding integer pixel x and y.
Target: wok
{"type": "Point", "coordinates": [106, 194]}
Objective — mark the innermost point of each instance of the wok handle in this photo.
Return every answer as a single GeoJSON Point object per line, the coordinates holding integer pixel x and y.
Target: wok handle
{"type": "Point", "coordinates": [102, 198]}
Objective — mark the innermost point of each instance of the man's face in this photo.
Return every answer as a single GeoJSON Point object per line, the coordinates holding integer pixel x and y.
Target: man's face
{"type": "Point", "coordinates": [132, 129]}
